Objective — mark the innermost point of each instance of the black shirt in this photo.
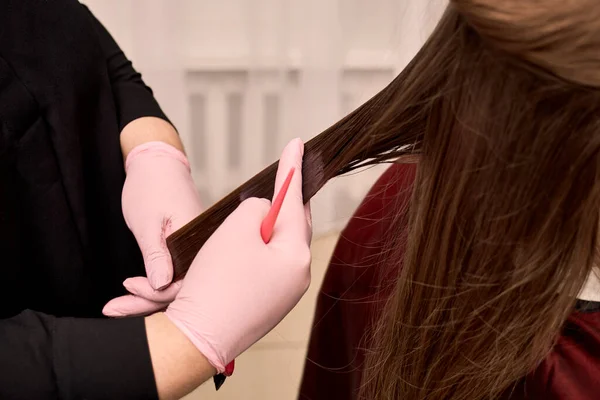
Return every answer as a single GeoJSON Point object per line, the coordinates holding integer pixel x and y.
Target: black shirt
{"type": "Point", "coordinates": [66, 91]}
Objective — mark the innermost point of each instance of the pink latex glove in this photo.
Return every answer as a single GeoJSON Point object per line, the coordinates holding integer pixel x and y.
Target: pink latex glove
{"type": "Point", "coordinates": [159, 197]}
{"type": "Point", "coordinates": [142, 300]}
{"type": "Point", "coordinates": [239, 288]}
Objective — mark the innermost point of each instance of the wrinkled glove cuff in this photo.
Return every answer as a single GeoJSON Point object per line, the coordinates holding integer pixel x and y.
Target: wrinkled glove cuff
{"type": "Point", "coordinates": [207, 349]}
{"type": "Point", "coordinates": [156, 148]}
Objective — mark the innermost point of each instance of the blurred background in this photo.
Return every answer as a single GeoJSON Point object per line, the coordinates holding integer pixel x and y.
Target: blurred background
{"type": "Point", "coordinates": [239, 79]}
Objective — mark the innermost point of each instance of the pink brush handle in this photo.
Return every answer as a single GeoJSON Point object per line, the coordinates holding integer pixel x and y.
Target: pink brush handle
{"type": "Point", "coordinates": [266, 231]}
{"type": "Point", "coordinates": [268, 224]}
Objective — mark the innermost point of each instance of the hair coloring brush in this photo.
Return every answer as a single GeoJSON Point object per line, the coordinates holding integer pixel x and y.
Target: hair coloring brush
{"type": "Point", "coordinates": [266, 232]}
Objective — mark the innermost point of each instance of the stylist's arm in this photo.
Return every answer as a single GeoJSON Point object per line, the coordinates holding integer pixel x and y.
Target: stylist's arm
{"type": "Point", "coordinates": [237, 289]}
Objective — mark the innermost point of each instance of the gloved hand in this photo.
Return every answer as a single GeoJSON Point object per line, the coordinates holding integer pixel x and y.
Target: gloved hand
{"type": "Point", "coordinates": [238, 288]}
{"type": "Point", "coordinates": [142, 300]}
{"type": "Point", "coordinates": [159, 197]}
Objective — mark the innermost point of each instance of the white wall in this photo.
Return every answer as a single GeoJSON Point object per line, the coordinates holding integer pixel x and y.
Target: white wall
{"type": "Point", "coordinates": [239, 78]}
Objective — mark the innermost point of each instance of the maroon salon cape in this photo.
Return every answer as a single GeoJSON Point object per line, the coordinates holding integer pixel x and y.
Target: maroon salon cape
{"type": "Point", "coordinates": [335, 356]}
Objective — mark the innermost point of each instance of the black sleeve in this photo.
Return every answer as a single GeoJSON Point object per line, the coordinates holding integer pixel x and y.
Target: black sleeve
{"type": "Point", "coordinates": [133, 98]}
{"type": "Point", "coordinates": [43, 357]}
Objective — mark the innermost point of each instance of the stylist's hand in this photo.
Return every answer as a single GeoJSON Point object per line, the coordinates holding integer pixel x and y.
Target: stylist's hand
{"type": "Point", "coordinates": [159, 197]}
{"type": "Point", "coordinates": [238, 288]}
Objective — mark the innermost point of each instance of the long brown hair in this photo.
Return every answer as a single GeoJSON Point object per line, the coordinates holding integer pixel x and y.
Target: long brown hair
{"type": "Point", "coordinates": [503, 108]}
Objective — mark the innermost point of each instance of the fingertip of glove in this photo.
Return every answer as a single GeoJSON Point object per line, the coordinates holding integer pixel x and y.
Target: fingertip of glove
{"type": "Point", "coordinates": [110, 311]}
{"type": "Point", "coordinates": [159, 279]}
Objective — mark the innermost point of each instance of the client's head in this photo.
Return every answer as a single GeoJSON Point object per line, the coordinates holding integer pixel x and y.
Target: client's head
{"type": "Point", "coordinates": [503, 224]}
